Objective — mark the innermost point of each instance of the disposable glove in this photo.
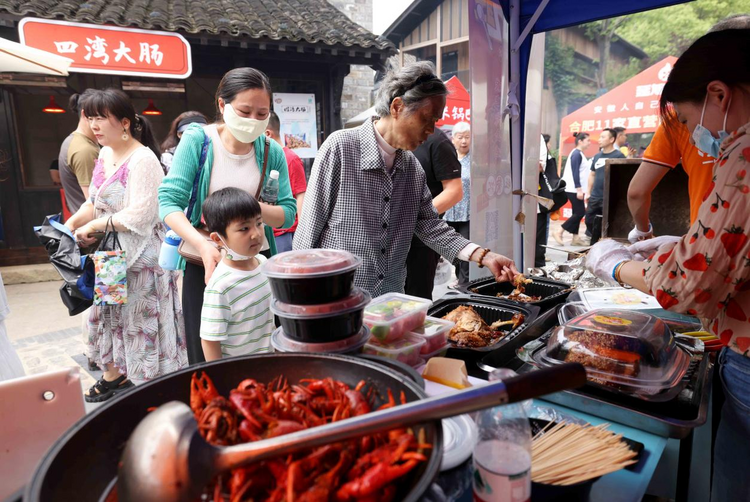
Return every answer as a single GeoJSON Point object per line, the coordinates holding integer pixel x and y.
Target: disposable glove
{"type": "Point", "coordinates": [602, 258]}
{"type": "Point", "coordinates": [643, 249]}
{"type": "Point", "coordinates": [636, 235]}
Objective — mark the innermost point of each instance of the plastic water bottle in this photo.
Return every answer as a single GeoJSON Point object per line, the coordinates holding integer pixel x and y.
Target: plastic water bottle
{"type": "Point", "coordinates": [270, 193]}
{"type": "Point", "coordinates": [502, 456]}
{"type": "Point", "coordinates": [168, 255]}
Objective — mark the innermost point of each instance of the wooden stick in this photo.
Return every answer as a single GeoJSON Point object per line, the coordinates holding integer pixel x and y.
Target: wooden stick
{"type": "Point", "coordinates": [570, 453]}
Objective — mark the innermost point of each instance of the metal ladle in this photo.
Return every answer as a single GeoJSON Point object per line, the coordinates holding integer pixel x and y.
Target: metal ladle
{"type": "Point", "coordinates": [167, 460]}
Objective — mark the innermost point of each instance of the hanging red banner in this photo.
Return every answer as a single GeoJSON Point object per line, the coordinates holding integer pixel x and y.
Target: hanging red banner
{"type": "Point", "coordinates": [457, 105]}
{"type": "Point", "coordinates": [633, 105]}
{"type": "Point", "coordinates": [110, 49]}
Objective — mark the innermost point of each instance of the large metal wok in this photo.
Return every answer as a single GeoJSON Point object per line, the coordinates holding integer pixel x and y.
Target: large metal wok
{"type": "Point", "coordinates": [82, 464]}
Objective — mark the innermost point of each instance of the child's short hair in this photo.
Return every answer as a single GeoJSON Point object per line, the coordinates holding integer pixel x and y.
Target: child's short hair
{"type": "Point", "coordinates": [227, 205]}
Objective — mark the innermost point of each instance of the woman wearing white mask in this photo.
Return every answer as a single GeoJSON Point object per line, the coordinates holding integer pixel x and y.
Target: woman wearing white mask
{"type": "Point", "coordinates": [234, 150]}
{"type": "Point", "coordinates": [706, 272]}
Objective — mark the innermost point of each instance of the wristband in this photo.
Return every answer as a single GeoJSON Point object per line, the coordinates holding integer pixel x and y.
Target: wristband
{"type": "Point", "coordinates": [617, 270]}
{"type": "Point", "coordinates": [481, 258]}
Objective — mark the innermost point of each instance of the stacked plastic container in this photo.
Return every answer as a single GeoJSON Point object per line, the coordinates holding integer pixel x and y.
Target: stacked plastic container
{"type": "Point", "coordinates": [401, 330]}
{"type": "Point", "coordinates": [318, 307]}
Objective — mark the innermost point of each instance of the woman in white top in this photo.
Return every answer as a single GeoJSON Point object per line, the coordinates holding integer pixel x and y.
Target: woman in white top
{"type": "Point", "coordinates": [576, 173]}
{"type": "Point", "coordinates": [145, 337]}
{"type": "Point", "coordinates": [228, 153]}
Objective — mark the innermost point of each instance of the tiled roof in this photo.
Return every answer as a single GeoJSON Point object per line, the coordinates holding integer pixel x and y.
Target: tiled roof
{"type": "Point", "coordinates": [313, 21]}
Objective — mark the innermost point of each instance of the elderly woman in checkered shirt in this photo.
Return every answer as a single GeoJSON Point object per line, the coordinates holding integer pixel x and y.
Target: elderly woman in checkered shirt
{"type": "Point", "coordinates": [367, 193]}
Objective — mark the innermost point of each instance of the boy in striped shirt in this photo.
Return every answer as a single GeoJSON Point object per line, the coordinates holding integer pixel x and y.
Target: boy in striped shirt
{"type": "Point", "coordinates": [236, 319]}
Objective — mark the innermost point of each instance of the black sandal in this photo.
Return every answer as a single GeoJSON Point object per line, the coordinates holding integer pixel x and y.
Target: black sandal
{"type": "Point", "coordinates": [103, 390]}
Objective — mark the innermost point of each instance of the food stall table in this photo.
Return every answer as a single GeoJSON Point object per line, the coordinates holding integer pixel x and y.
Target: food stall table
{"type": "Point", "coordinates": [625, 485]}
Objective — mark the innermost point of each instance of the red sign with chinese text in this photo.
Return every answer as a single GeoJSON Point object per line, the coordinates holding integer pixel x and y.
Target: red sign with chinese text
{"type": "Point", "coordinates": [633, 105]}
{"type": "Point", "coordinates": [457, 105]}
{"type": "Point", "coordinates": [110, 49]}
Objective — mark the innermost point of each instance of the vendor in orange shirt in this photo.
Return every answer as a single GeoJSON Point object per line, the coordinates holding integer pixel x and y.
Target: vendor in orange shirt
{"type": "Point", "coordinates": [663, 154]}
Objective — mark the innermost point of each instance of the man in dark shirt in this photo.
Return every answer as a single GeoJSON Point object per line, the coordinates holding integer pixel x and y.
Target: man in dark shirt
{"type": "Point", "coordinates": [609, 150]}
{"type": "Point", "coordinates": [440, 162]}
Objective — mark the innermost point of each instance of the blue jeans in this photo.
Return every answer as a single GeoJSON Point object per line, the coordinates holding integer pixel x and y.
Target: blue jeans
{"type": "Point", "coordinates": [284, 242]}
{"type": "Point", "coordinates": [731, 480]}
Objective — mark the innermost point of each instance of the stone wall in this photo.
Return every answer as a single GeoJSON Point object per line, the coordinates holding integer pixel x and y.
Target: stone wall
{"type": "Point", "coordinates": [358, 85]}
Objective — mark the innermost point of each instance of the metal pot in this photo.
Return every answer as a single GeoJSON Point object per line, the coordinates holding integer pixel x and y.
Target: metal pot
{"type": "Point", "coordinates": [82, 465]}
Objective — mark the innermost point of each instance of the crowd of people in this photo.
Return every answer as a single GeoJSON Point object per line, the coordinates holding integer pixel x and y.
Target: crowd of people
{"type": "Point", "coordinates": [395, 191]}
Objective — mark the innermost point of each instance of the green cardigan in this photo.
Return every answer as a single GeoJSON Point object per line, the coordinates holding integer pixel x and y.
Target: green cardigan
{"type": "Point", "coordinates": [175, 190]}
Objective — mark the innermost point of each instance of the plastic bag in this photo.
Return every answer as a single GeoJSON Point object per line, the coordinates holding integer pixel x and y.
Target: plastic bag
{"type": "Point", "coordinates": [75, 268]}
{"type": "Point", "coordinates": [443, 272]}
{"type": "Point", "coordinates": [111, 267]}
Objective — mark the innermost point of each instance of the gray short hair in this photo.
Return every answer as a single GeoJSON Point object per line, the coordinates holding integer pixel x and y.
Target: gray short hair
{"type": "Point", "coordinates": [734, 22]}
{"type": "Point", "coordinates": [413, 83]}
{"type": "Point", "coordinates": [461, 127]}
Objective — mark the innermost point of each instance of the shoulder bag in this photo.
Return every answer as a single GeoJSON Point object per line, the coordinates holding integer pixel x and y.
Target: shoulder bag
{"type": "Point", "coordinates": [185, 249]}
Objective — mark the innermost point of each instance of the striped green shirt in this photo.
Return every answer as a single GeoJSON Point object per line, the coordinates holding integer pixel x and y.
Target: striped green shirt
{"type": "Point", "coordinates": [236, 311]}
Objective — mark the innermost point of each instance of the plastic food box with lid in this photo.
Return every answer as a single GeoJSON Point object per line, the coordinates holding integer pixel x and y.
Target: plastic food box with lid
{"type": "Point", "coordinates": [392, 315]}
{"type": "Point", "coordinates": [311, 276]}
{"type": "Point", "coordinates": [351, 345]}
{"type": "Point", "coordinates": [434, 331]}
{"type": "Point", "coordinates": [629, 349]}
{"type": "Point", "coordinates": [325, 322]}
{"type": "Point", "coordinates": [405, 349]}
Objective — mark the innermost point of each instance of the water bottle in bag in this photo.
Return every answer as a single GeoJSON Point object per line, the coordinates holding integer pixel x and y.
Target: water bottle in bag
{"type": "Point", "coordinates": [168, 255]}
{"type": "Point", "coordinates": [270, 193]}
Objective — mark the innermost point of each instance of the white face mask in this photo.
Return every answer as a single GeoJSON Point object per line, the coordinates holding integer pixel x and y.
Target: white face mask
{"type": "Point", "coordinates": [232, 255]}
{"type": "Point", "coordinates": [245, 130]}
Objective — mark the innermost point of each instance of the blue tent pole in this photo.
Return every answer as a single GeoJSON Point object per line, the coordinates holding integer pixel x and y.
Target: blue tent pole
{"type": "Point", "coordinates": [516, 144]}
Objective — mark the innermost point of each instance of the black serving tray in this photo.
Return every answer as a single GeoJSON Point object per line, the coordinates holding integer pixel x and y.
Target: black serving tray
{"type": "Point", "coordinates": [553, 293]}
{"type": "Point", "coordinates": [491, 310]}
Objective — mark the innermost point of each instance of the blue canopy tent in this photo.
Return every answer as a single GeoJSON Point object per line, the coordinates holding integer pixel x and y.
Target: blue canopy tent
{"type": "Point", "coordinates": [525, 18]}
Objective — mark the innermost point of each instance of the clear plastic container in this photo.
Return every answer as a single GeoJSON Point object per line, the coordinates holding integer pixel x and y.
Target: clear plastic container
{"type": "Point", "coordinates": [439, 352]}
{"type": "Point", "coordinates": [309, 263]}
{"type": "Point", "coordinates": [282, 343]}
{"type": "Point", "coordinates": [405, 349]}
{"type": "Point", "coordinates": [392, 315]}
{"type": "Point", "coordinates": [435, 333]}
{"type": "Point", "coordinates": [625, 347]}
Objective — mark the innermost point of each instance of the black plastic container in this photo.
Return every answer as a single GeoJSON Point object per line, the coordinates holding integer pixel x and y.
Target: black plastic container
{"type": "Point", "coordinates": [309, 291]}
{"type": "Point", "coordinates": [490, 310]}
{"type": "Point", "coordinates": [552, 293]}
{"type": "Point", "coordinates": [329, 322]}
{"type": "Point", "coordinates": [311, 277]}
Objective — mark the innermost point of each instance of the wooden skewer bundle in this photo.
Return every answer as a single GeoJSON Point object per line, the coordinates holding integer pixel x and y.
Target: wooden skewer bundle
{"type": "Point", "coordinates": [569, 453]}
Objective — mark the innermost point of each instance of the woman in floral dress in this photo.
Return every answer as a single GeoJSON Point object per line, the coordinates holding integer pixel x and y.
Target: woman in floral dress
{"type": "Point", "coordinates": [706, 273]}
{"type": "Point", "coordinates": [143, 338]}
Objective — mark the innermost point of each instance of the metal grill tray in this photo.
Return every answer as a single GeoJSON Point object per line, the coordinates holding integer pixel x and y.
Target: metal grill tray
{"type": "Point", "coordinates": [672, 419]}
{"type": "Point", "coordinates": [490, 310]}
{"type": "Point", "coordinates": [553, 293]}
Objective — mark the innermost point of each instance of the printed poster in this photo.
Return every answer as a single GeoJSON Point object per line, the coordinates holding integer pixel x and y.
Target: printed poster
{"type": "Point", "coordinates": [299, 129]}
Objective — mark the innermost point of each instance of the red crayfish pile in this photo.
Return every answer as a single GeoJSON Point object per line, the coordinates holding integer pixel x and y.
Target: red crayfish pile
{"type": "Point", "coordinates": [364, 469]}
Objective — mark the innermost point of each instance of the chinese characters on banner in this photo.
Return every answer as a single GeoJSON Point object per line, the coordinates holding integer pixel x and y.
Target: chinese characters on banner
{"type": "Point", "coordinates": [298, 116]}
{"type": "Point", "coordinates": [633, 105]}
{"type": "Point", "coordinates": [110, 50]}
{"type": "Point", "coordinates": [457, 105]}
